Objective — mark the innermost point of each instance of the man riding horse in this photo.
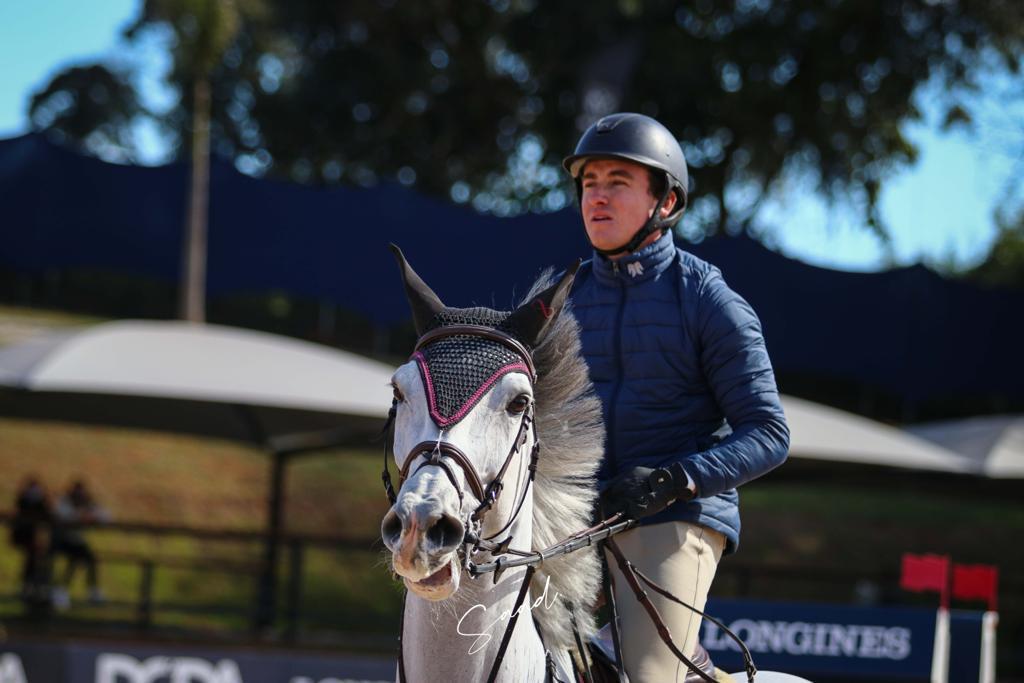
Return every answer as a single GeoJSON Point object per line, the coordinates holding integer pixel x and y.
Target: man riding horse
{"type": "Point", "coordinates": [691, 408]}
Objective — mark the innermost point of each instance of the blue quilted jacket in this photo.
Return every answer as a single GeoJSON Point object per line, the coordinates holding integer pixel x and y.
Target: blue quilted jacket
{"type": "Point", "coordinates": [680, 364]}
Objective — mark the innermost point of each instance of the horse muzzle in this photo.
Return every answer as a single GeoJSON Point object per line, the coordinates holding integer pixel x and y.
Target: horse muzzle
{"type": "Point", "coordinates": [424, 547]}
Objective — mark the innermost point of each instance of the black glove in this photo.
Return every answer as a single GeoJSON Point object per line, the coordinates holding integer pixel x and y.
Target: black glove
{"type": "Point", "coordinates": [643, 491]}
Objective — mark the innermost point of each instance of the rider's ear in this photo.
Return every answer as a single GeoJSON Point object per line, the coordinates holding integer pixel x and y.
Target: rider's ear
{"type": "Point", "coordinates": [532, 320]}
{"type": "Point", "coordinates": [422, 300]}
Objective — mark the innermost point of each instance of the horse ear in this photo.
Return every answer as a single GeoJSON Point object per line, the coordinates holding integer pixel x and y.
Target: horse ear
{"type": "Point", "coordinates": [532, 320]}
{"type": "Point", "coordinates": [422, 300]}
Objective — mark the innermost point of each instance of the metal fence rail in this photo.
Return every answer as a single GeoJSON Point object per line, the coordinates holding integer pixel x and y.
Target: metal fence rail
{"type": "Point", "coordinates": [229, 562]}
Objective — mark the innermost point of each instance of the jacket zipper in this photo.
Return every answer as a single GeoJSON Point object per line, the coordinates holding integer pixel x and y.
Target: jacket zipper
{"type": "Point", "coordinates": [614, 400]}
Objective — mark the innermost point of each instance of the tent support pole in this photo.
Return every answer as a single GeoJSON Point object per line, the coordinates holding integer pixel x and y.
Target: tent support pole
{"type": "Point", "coordinates": [266, 598]}
{"type": "Point", "coordinates": [266, 611]}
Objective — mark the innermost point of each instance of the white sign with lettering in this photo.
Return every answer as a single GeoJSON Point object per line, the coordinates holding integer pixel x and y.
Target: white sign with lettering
{"type": "Point", "coordinates": [823, 640]}
{"type": "Point", "coordinates": [119, 668]}
{"type": "Point", "coordinates": [11, 670]}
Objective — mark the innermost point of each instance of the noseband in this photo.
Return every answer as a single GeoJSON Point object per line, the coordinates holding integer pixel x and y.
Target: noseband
{"type": "Point", "coordinates": [437, 453]}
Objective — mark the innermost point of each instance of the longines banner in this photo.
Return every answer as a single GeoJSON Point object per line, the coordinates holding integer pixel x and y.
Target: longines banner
{"type": "Point", "coordinates": [817, 641]}
{"type": "Point", "coordinates": [876, 643]}
{"type": "Point", "coordinates": [110, 663]}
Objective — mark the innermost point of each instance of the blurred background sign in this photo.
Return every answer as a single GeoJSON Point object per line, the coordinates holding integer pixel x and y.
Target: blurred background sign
{"type": "Point", "coordinates": [890, 644]}
{"type": "Point", "coordinates": [85, 662]}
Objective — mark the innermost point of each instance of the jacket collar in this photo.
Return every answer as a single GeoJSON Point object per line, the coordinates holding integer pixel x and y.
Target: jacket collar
{"type": "Point", "coordinates": [639, 266]}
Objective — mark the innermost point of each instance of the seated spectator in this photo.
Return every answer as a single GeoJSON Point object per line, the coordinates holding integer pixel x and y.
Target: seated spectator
{"type": "Point", "coordinates": [74, 509]}
{"type": "Point", "coordinates": [30, 531]}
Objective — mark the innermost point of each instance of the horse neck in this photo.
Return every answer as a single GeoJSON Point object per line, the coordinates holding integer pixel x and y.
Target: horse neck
{"type": "Point", "coordinates": [458, 640]}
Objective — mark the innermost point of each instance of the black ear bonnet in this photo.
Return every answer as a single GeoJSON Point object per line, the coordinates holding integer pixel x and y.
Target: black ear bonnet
{"type": "Point", "coordinates": [457, 371]}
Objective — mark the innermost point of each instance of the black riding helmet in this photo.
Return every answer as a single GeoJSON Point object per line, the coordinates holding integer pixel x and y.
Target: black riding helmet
{"type": "Point", "coordinates": [640, 139]}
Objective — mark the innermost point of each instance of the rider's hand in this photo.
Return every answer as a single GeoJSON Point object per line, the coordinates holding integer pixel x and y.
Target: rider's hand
{"type": "Point", "coordinates": [643, 491]}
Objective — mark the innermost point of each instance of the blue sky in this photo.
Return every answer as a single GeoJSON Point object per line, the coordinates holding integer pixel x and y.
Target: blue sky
{"type": "Point", "coordinates": [939, 209]}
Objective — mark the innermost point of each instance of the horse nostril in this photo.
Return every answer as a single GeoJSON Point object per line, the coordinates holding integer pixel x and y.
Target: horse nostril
{"type": "Point", "coordinates": [447, 532]}
{"type": "Point", "coordinates": [391, 529]}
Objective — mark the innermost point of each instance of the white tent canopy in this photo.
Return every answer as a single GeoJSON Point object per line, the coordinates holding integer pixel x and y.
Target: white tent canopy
{"type": "Point", "coordinates": [216, 364]}
{"type": "Point", "coordinates": [179, 360]}
{"type": "Point", "coordinates": [993, 445]}
{"type": "Point", "coordinates": [819, 432]}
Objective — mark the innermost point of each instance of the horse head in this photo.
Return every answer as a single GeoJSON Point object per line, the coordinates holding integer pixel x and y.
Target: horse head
{"type": "Point", "coordinates": [464, 434]}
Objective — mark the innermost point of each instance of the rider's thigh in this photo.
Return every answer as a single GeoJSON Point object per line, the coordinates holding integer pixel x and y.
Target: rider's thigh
{"type": "Point", "coordinates": [682, 558]}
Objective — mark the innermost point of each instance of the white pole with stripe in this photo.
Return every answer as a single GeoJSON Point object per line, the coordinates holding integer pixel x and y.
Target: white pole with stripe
{"type": "Point", "coordinates": [940, 650]}
{"type": "Point", "coordinates": [987, 670]}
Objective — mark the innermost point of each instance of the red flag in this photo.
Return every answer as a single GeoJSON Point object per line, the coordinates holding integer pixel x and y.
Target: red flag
{"type": "Point", "coordinates": [976, 582]}
{"type": "Point", "coordinates": [925, 573]}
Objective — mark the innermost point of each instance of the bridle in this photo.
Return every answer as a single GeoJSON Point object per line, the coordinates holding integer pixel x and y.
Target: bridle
{"type": "Point", "coordinates": [437, 453]}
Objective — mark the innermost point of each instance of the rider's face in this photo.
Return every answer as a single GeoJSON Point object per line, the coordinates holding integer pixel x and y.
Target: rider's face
{"type": "Point", "coordinates": [616, 201]}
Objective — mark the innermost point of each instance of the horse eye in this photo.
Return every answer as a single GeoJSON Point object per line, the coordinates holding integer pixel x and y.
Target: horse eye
{"type": "Point", "coordinates": [518, 404]}
{"type": "Point", "coordinates": [397, 393]}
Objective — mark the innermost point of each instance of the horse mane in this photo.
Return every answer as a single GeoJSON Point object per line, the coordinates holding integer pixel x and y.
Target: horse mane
{"type": "Point", "coordinates": [571, 431]}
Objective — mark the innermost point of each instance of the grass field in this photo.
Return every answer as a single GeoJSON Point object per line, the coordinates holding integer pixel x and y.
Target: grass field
{"type": "Point", "coordinates": [206, 484]}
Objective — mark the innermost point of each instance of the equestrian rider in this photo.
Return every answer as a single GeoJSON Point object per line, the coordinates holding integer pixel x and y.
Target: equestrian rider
{"type": "Point", "coordinates": [690, 403]}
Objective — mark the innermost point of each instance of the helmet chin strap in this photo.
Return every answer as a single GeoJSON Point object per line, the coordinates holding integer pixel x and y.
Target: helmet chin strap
{"type": "Point", "coordinates": [655, 222]}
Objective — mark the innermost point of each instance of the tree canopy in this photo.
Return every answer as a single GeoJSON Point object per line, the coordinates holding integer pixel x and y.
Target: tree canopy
{"type": "Point", "coordinates": [91, 105]}
{"type": "Point", "coordinates": [479, 100]}
{"type": "Point", "coordinates": [1003, 266]}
